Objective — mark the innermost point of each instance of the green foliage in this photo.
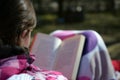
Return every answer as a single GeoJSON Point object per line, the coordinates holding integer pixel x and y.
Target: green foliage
{"type": "Point", "coordinates": [101, 22]}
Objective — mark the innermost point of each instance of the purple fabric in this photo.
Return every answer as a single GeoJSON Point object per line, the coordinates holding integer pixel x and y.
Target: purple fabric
{"type": "Point", "coordinates": [90, 42]}
{"type": "Point", "coordinates": [96, 63]}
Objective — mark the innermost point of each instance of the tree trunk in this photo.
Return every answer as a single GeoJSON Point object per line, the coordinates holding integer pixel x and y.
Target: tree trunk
{"type": "Point", "coordinates": [110, 6]}
{"type": "Point", "coordinates": [60, 8]}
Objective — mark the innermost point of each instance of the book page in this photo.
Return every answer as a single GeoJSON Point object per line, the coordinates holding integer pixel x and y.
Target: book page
{"type": "Point", "coordinates": [44, 48]}
{"type": "Point", "coordinates": [68, 56]}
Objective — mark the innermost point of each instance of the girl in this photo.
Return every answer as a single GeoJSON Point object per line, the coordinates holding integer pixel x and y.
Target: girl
{"type": "Point", "coordinates": [17, 20]}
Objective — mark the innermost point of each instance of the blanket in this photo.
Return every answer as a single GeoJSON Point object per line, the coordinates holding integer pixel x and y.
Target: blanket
{"type": "Point", "coordinates": [95, 62]}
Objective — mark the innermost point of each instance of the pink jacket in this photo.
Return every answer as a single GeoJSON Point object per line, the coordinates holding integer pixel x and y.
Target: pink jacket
{"type": "Point", "coordinates": [19, 64]}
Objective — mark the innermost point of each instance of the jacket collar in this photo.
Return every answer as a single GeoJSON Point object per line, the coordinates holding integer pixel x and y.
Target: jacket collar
{"type": "Point", "coordinates": [9, 51]}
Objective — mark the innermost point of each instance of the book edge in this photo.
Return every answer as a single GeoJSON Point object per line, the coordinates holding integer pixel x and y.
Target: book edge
{"type": "Point", "coordinates": [78, 56]}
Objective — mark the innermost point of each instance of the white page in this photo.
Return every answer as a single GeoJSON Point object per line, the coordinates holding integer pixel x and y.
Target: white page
{"type": "Point", "coordinates": [44, 48]}
{"type": "Point", "coordinates": [68, 56]}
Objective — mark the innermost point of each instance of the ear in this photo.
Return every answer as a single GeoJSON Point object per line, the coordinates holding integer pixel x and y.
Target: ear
{"type": "Point", "coordinates": [24, 33]}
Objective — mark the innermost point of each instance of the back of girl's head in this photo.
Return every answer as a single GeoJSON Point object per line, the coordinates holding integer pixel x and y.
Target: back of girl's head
{"type": "Point", "coordinates": [15, 16]}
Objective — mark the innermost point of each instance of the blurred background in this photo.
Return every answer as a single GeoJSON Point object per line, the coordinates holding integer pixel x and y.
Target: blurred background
{"type": "Point", "coordinates": [102, 16]}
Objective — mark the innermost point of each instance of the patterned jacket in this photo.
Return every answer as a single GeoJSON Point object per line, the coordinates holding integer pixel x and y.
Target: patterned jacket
{"type": "Point", "coordinates": [11, 64]}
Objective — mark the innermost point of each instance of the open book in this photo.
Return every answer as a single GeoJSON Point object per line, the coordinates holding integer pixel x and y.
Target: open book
{"type": "Point", "coordinates": [54, 54]}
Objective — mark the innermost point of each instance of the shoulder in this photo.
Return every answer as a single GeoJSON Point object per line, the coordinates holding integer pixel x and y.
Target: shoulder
{"type": "Point", "coordinates": [44, 75]}
{"type": "Point", "coordinates": [49, 75]}
{"type": "Point", "coordinates": [21, 77]}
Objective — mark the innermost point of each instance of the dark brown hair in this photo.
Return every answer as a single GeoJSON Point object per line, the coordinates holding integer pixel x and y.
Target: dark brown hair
{"type": "Point", "coordinates": [15, 16]}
